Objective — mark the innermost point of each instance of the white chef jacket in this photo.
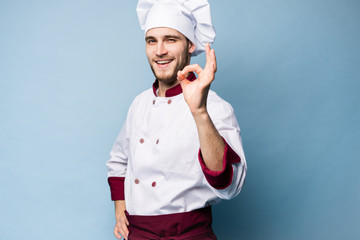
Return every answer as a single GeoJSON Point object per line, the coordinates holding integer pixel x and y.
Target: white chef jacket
{"type": "Point", "coordinates": [157, 152]}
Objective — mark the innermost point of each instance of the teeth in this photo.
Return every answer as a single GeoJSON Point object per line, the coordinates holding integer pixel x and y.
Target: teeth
{"type": "Point", "coordinates": [162, 62]}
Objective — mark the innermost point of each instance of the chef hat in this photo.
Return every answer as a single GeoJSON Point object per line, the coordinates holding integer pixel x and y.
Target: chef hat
{"type": "Point", "coordinates": [192, 18]}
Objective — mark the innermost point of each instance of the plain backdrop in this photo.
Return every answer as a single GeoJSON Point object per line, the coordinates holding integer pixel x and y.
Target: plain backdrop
{"type": "Point", "coordinates": [290, 68]}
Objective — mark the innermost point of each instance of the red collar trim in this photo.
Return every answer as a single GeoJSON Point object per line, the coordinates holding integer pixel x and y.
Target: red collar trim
{"type": "Point", "coordinates": [176, 90]}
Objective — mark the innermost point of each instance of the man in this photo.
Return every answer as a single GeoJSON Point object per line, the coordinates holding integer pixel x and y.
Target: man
{"type": "Point", "coordinates": [179, 150]}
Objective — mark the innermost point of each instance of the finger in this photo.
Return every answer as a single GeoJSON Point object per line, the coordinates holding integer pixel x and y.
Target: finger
{"type": "Point", "coordinates": [207, 54]}
{"type": "Point", "coordinates": [126, 221]}
{"type": "Point", "coordinates": [123, 235]}
{"type": "Point", "coordinates": [192, 68]}
{"type": "Point", "coordinates": [122, 226]}
{"type": "Point", "coordinates": [210, 58]}
{"type": "Point", "coordinates": [180, 76]}
{"type": "Point", "coordinates": [182, 79]}
{"type": "Point", "coordinates": [116, 233]}
{"type": "Point", "coordinates": [213, 57]}
{"type": "Point", "coordinates": [125, 231]}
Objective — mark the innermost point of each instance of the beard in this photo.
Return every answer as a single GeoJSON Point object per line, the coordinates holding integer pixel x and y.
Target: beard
{"type": "Point", "coordinates": [171, 78]}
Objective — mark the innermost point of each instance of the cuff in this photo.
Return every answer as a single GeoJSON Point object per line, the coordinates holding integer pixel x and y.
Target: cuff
{"type": "Point", "coordinates": [117, 188]}
{"type": "Point", "coordinates": [221, 179]}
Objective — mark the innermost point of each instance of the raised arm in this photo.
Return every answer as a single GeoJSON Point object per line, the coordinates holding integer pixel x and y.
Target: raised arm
{"type": "Point", "coordinates": [195, 93]}
{"type": "Point", "coordinates": [221, 153]}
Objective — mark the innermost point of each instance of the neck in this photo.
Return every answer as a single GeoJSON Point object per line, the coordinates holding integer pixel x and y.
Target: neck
{"type": "Point", "coordinates": [163, 87]}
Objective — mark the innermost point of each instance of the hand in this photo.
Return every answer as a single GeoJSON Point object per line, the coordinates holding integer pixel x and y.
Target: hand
{"type": "Point", "coordinates": [122, 223]}
{"type": "Point", "coordinates": [121, 227]}
{"type": "Point", "coordinates": [195, 92]}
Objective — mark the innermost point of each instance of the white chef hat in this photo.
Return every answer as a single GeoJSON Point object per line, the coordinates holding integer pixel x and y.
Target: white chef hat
{"type": "Point", "coordinates": [192, 18]}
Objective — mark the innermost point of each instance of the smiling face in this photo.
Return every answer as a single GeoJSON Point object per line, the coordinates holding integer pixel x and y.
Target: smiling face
{"type": "Point", "coordinates": [168, 51]}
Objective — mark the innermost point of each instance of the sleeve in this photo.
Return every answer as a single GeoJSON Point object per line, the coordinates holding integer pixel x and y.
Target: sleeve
{"type": "Point", "coordinates": [117, 164]}
{"type": "Point", "coordinates": [226, 183]}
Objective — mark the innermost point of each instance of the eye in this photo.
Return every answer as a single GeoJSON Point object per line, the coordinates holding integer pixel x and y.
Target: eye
{"type": "Point", "coordinates": [150, 41]}
{"type": "Point", "coordinates": [171, 40]}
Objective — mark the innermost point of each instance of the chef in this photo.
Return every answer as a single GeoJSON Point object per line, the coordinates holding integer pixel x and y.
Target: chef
{"type": "Point", "coordinates": [179, 151]}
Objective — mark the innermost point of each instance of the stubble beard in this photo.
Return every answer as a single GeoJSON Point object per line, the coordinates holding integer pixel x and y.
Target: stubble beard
{"type": "Point", "coordinates": [172, 78]}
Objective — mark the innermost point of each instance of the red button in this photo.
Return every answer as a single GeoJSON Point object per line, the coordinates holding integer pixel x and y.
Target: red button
{"type": "Point", "coordinates": [153, 102]}
{"type": "Point", "coordinates": [153, 184]}
{"type": "Point", "coordinates": [142, 140]}
{"type": "Point", "coordinates": [157, 141]}
{"type": "Point", "coordinates": [137, 181]}
{"type": "Point", "coordinates": [169, 101]}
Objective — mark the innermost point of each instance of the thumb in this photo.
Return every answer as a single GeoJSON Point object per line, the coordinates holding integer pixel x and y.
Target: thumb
{"type": "Point", "coordinates": [182, 78]}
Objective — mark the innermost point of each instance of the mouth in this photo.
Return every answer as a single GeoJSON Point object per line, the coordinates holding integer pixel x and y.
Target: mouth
{"type": "Point", "coordinates": [163, 63]}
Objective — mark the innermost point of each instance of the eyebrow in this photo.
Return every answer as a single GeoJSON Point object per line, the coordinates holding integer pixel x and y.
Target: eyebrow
{"type": "Point", "coordinates": [172, 36]}
{"type": "Point", "coordinates": [166, 36]}
{"type": "Point", "coordinates": [149, 37]}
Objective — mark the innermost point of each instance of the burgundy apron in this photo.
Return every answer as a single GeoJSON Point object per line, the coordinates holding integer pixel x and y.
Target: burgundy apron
{"type": "Point", "coordinates": [194, 225]}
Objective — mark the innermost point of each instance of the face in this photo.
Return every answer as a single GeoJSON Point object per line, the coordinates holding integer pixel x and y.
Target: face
{"type": "Point", "coordinates": [168, 51]}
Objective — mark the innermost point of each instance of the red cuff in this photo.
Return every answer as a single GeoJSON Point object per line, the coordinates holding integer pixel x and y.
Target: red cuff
{"type": "Point", "coordinates": [221, 179]}
{"type": "Point", "coordinates": [117, 188]}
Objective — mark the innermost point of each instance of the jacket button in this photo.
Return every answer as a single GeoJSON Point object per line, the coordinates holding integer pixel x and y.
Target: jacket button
{"type": "Point", "coordinates": [153, 184]}
{"type": "Point", "coordinates": [142, 140]}
{"type": "Point", "coordinates": [169, 101]}
{"type": "Point", "coordinates": [153, 102]}
{"type": "Point", "coordinates": [157, 141]}
{"type": "Point", "coordinates": [137, 181]}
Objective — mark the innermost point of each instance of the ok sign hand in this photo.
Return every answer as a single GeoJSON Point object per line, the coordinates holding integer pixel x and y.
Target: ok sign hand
{"type": "Point", "coordinates": [196, 92]}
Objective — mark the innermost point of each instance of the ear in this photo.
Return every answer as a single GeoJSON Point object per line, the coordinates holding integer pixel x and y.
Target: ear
{"type": "Point", "coordinates": [191, 47]}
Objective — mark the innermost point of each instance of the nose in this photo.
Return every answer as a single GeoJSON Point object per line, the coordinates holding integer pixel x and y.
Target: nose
{"type": "Point", "coordinates": [161, 49]}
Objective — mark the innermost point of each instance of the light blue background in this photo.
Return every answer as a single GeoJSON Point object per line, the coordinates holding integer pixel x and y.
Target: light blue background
{"type": "Point", "coordinates": [290, 68]}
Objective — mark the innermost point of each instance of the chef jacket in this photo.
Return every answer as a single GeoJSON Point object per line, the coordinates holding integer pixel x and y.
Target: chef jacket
{"type": "Point", "coordinates": [156, 163]}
